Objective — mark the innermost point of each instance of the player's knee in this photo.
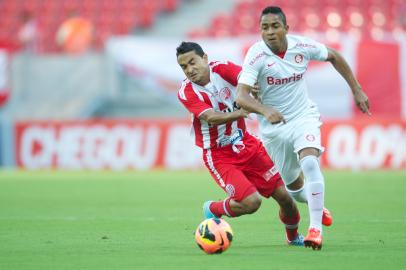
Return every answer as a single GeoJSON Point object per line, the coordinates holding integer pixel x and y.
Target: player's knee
{"type": "Point", "coordinates": [310, 164]}
{"type": "Point", "coordinates": [253, 206]}
{"type": "Point", "coordinates": [311, 169]}
{"type": "Point", "coordinates": [252, 203]}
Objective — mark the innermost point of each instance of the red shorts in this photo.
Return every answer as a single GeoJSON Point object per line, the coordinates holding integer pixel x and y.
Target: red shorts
{"type": "Point", "coordinates": [241, 174]}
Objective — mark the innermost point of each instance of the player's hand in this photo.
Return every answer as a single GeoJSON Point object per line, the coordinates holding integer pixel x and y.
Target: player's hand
{"type": "Point", "coordinates": [274, 116]}
{"type": "Point", "coordinates": [243, 113]}
{"type": "Point", "coordinates": [361, 100]}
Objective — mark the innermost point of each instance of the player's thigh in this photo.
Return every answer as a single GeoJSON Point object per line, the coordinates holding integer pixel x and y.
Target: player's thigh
{"type": "Point", "coordinates": [281, 151]}
{"type": "Point", "coordinates": [232, 180]}
{"type": "Point", "coordinates": [262, 173]}
{"type": "Point", "coordinates": [307, 136]}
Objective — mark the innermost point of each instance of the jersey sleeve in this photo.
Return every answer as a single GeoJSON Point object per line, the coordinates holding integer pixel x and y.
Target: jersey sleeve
{"type": "Point", "coordinates": [228, 71]}
{"type": "Point", "coordinates": [191, 101]}
{"type": "Point", "coordinates": [317, 50]}
{"type": "Point", "coordinates": [251, 67]}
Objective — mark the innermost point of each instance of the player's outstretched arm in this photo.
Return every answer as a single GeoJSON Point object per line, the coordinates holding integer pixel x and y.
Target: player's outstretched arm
{"type": "Point", "coordinates": [339, 63]}
{"type": "Point", "coordinates": [247, 102]}
{"type": "Point", "coordinates": [218, 118]}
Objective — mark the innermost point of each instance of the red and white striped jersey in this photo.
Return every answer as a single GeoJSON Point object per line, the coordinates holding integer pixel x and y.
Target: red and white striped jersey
{"type": "Point", "coordinates": [219, 95]}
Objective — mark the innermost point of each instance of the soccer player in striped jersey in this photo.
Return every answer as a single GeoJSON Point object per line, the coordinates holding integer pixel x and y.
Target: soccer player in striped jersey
{"type": "Point", "coordinates": [237, 161]}
{"type": "Point", "coordinates": [289, 121]}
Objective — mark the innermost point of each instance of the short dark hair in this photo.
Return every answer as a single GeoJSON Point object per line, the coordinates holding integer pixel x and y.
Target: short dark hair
{"type": "Point", "coordinates": [275, 10]}
{"type": "Point", "coordinates": [186, 47]}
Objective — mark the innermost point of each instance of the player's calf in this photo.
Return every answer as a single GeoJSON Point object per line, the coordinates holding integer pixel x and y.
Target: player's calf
{"type": "Point", "coordinates": [314, 189]}
{"type": "Point", "coordinates": [289, 215]}
{"type": "Point", "coordinates": [297, 190]}
{"type": "Point", "coordinates": [232, 208]}
{"type": "Point", "coordinates": [299, 195]}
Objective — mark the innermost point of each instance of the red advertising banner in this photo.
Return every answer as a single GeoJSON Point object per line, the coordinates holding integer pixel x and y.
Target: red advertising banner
{"type": "Point", "coordinates": [4, 77]}
{"type": "Point", "coordinates": [148, 144]}
{"type": "Point", "coordinates": [116, 145]}
{"type": "Point", "coordinates": [365, 143]}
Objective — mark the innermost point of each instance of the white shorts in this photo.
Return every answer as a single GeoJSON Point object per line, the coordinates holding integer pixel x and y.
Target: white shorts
{"type": "Point", "coordinates": [284, 143]}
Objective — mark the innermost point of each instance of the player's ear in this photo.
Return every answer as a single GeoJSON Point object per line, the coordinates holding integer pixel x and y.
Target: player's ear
{"type": "Point", "coordinates": [206, 58]}
{"type": "Point", "coordinates": [287, 28]}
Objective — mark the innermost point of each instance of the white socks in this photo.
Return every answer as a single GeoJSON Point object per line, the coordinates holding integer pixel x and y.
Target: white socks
{"type": "Point", "coordinates": [299, 195]}
{"type": "Point", "coordinates": [314, 189]}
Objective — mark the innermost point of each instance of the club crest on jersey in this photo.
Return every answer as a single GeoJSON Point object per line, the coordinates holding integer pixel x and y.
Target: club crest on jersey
{"type": "Point", "coordinates": [310, 137]}
{"type": "Point", "coordinates": [298, 58]}
{"type": "Point", "coordinates": [225, 93]}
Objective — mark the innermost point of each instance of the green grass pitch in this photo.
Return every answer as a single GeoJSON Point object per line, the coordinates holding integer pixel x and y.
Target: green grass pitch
{"type": "Point", "coordinates": [146, 220]}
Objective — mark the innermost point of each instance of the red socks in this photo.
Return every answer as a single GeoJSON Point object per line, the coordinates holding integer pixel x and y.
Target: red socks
{"type": "Point", "coordinates": [221, 208]}
{"type": "Point", "coordinates": [291, 225]}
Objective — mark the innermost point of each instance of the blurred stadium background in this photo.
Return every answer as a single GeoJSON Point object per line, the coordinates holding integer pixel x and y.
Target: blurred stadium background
{"type": "Point", "coordinates": [92, 84]}
{"type": "Point", "coordinates": [97, 168]}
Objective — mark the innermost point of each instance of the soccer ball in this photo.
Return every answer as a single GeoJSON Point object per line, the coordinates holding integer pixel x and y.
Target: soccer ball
{"type": "Point", "coordinates": [214, 235]}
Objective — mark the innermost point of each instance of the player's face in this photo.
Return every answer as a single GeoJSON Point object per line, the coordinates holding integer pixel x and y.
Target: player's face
{"type": "Point", "coordinates": [274, 32]}
{"type": "Point", "coordinates": [195, 67]}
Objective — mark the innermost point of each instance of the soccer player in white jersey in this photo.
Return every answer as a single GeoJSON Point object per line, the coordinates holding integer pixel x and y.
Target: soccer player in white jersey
{"type": "Point", "coordinates": [289, 121]}
{"type": "Point", "coordinates": [236, 160]}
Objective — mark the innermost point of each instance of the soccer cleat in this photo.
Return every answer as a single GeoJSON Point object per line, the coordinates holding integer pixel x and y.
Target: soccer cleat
{"type": "Point", "coordinates": [298, 241]}
{"type": "Point", "coordinates": [207, 212]}
{"type": "Point", "coordinates": [313, 239]}
{"type": "Point", "coordinates": [327, 219]}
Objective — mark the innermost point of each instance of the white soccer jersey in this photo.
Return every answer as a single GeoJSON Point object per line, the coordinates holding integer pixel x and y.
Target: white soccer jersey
{"type": "Point", "coordinates": [281, 80]}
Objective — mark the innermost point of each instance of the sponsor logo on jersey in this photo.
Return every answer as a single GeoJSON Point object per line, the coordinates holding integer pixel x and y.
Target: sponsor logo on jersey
{"type": "Point", "coordinates": [270, 173]}
{"type": "Point", "coordinates": [278, 81]}
{"type": "Point", "coordinates": [299, 58]}
{"type": "Point", "coordinates": [237, 136]}
{"type": "Point", "coordinates": [305, 45]}
{"type": "Point", "coordinates": [256, 58]}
